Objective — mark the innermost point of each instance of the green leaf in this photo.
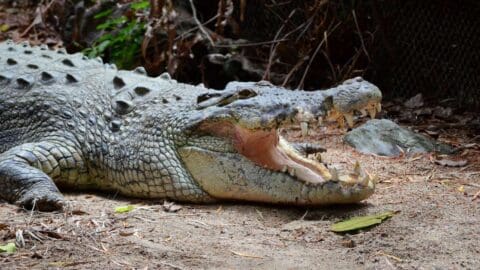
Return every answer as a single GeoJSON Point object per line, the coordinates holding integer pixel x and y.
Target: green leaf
{"type": "Point", "coordinates": [102, 46]}
{"type": "Point", "coordinates": [124, 208]}
{"type": "Point", "coordinates": [104, 13]}
{"type": "Point", "coordinates": [357, 223]}
{"type": "Point", "coordinates": [4, 27]}
{"type": "Point", "coordinates": [8, 248]}
{"type": "Point", "coordinates": [140, 5]}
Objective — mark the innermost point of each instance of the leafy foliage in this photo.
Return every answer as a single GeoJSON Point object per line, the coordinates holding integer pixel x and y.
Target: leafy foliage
{"type": "Point", "coordinates": [122, 35]}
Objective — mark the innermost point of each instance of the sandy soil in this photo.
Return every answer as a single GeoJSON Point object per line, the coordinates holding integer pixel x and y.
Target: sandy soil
{"type": "Point", "coordinates": [437, 227]}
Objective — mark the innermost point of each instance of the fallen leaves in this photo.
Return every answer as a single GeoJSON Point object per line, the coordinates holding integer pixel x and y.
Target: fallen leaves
{"type": "Point", "coordinates": [8, 248]}
{"type": "Point", "coordinates": [247, 255]}
{"type": "Point", "coordinates": [476, 196]}
{"type": "Point", "coordinates": [124, 208]}
{"type": "Point", "coordinates": [171, 207]}
{"type": "Point", "coordinates": [357, 223]}
{"type": "Point", "coordinates": [450, 162]}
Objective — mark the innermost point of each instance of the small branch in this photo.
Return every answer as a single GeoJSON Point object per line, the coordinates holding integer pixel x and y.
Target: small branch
{"type": "Point", "coordinates": [300, 85]}
{"type": "Point", "coordinates": [182, 36]}
{"type": "Point", "coordinates": [360, 34]}
{"type": "Point", "coordinates": [273, 47]}
{"type": "Point", "coordinates": [200, 26]}
{"type": "Point", "coordinates": [221, 16]}
{"type": "Point", "coordinates": [250, 44]}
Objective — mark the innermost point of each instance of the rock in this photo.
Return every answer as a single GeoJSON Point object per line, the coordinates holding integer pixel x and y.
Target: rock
{"type": "Point", "coordinates": [414, 102]}
{"type": "Point", "coordinates": [386, 138]}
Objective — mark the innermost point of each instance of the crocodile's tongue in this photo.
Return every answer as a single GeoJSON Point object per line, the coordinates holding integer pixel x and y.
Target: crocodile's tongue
{"type": "Point", "coordinates": [271, 151]}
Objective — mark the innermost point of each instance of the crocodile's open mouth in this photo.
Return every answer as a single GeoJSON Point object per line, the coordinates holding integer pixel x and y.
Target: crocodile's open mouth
{"type": "Point", "coordinates": [269, 150]}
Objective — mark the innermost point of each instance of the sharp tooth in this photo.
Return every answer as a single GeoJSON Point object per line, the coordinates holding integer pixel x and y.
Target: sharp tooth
{"type": "Point", "coordinates": [379, 107]}
{"type": "Point", "coordinates": [365, 181]}
{"type": "Point", "coordinates": [291, 171]}
{"type": "Point", "coordinates": [320, 120]}
{"type": "Point", "coordinates": [357, 170]}
{"type": "Point", "coordinates": [349, 118]}
{"type": "Point", "coordinates": [304, 128]}
{"type": "Point", "coordinates": [284, 168]}
{"type": "Point", "coordinates": [341, 122]}
{"type": "Point", "coordinates": [363, 112]}
{"type": "Point", "coordinates": [372, 112]}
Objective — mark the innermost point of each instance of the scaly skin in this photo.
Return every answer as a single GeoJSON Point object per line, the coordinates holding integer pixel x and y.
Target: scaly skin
{"type": "Point", "coordinates": [68, 121]}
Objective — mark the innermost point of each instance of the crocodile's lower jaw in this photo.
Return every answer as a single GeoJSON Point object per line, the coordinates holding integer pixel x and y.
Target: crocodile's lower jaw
{"type": "Point", "coordinates": [264, 161]}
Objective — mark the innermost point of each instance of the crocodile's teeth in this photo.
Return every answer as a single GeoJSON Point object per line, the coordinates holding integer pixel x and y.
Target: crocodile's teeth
{"type": "Point", "coordinates": [320, 120]}
{"type": "Point", "coordinates": [379, 107]}
{"type": "Point", "coordinates": [304, 128]}
{"type": "Point", "coordinates": [316, 157]}
{"type": "Point", "coordinates": [291, 171]}
{"type": "Point", "coordinates": [357, 170]}
{"type": "Point", "coordinates": [366, 180]}
{"type": "Point", "coordinates": [363, 112]}
{"type": "Point", "coordinates": [372, 111]}
{"type": "Point", "coordinates": [349, 119]}
{"type": "Point", "coordinates": [341, 122]}
{"type": "Point", "coordinates": [284, 169]}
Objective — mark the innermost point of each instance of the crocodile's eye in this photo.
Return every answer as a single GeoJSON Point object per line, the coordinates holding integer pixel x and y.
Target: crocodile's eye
{"type": "Point", "coordinates": [223, 98]}
{"type": "Point", "coordinates": [201, 98]}
{"type": "Point", "coordinates": [246, 93]}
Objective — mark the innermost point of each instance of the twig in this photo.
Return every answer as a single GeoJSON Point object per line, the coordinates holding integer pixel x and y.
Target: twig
{"type": "Point", "coordinates": [334, 74]}
{"type": "Point", "coordinates": [304, 215]}
{"type": "Point", "coordinates": [200, 26]}
{"type": "Point", "coordinates": [389, 256]}
{"type": "Point", "coordinates": [182, 36]}
{"type": "Point", "coordinates": [221, 16]}
{"type": "Point", "coordinates": [245, 255]}
{"type": "Point", "coordinates": [300, 85]}
{"type": "Point", "coordinates": [360, 34]}
{"type": "Point", "coordinates": [290, 74]}
{"type": "Point", "coordinates": [249, 44]}
{"type": "Point", "coordinates": [476, 195]}
{"type": "Point", "coordinates": [273, 47]}
{"type": "Point", "coordinates": [38, 18]}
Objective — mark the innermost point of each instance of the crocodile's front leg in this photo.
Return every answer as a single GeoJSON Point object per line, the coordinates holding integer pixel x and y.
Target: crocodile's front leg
{"type": "Point", "coordinates": [26, 174]}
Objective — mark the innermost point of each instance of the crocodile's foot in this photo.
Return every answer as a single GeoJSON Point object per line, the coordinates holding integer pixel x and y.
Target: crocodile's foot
{"type": "Point", "coordinates": [42, 200]}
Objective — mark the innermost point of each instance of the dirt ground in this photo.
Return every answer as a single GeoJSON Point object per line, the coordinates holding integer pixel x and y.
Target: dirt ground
{"type": "Point", "coordinates": [437, 226]}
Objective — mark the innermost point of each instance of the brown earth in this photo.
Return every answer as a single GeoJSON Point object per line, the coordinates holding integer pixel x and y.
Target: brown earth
{"type": "Point", "coordinates": [437, 226]}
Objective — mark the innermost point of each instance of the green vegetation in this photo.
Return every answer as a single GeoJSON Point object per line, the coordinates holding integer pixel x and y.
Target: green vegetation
{"type": "Point", "coordinates": [122, 36]}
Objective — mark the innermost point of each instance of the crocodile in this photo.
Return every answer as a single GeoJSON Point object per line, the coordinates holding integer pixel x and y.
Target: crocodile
{"type": "Point", "coordinates": [70, 122]}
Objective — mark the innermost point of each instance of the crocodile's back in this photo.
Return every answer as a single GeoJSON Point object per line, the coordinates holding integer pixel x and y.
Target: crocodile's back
{"type": "Point", "coordinates": [47, 93]}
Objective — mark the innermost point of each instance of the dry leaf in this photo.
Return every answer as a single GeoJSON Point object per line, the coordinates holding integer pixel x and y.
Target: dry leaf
{"type": "Point", "coordinates": [8, 248]}
{"type": "Point", "coordinates": [451, 163]}
{"type": "Point", "coordinates": [171, 207]}
{"type": "Point", "coordinates": [126, 233]}
{"type": "Point", "coordinates": [124, 208]}
{"type": "Point", "coordinates": [246, 255]}
{"type": "Point", "coordinates": [357, 223]}
{"type": "Point", "coordinates": [79, 212]}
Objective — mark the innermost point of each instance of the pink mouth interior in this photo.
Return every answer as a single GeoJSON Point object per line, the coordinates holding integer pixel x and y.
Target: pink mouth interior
{"type": "Point", "coordinates": [262, 148]}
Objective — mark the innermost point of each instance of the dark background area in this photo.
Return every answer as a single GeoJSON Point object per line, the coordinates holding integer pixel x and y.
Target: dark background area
{"type": "Point", "coordinates": [409, 47]}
